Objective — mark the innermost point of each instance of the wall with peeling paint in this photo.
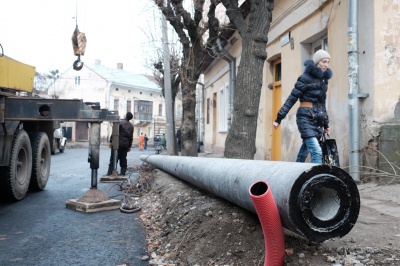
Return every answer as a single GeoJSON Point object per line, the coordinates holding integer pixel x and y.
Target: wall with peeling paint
{"type": "Point", "coordinates": [386, 91]}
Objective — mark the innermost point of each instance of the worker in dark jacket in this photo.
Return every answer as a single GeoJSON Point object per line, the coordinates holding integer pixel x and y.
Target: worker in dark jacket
{"type": "Point", "coordinates": [125, 144]}
{"type": "Point", "coordinates": [311, 117]}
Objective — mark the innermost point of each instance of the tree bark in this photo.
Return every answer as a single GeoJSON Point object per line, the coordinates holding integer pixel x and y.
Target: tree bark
{"type": "Point", "coordinates": [240, 142]}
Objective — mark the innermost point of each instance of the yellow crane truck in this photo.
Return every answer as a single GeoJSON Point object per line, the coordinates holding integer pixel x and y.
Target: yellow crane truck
{"type": "Point", "coordinates": [27, 125]}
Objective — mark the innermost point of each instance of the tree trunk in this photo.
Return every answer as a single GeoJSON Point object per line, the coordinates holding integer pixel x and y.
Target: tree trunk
{"type": "Point", "coordinates": [240, 142]}
{"type": "Point", "coordinates": [241, 139]}
{"type": "Point", "coordinates": [189, 130]}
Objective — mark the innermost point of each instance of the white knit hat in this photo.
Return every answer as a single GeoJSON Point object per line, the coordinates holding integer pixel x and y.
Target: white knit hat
{"type": "Point", "coordinates": [320, 55]}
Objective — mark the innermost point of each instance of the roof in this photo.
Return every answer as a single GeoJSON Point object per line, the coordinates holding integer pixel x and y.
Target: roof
{"type": "Point", "coordinates": [120, 77]}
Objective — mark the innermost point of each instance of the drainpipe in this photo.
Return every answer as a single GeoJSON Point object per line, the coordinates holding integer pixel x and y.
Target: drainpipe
{"type": "Point", "coordinates": [232, 75]}
{"type": "Point", "coordinates": [354, 95]}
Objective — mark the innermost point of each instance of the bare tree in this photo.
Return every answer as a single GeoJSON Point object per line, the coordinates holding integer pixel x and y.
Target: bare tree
{"type": "Point", "coordinates": [57, 90]}
{"type": "Point", "coordinates": [46, 83]}
{"type": "Point", "coordinates": [42, 82]}
{"type": "Point", "coordinates": [190, 31]}
{"type": "Point", "coordinates": [254, 33]}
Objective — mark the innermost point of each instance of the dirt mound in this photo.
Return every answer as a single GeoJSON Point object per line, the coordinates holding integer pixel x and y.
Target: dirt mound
{"type": "Point", "coordinates": [189, 226]}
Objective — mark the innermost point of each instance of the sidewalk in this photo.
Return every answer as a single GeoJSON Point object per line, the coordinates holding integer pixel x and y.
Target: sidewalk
{"type": "Point", "coordinates": [384, 199]}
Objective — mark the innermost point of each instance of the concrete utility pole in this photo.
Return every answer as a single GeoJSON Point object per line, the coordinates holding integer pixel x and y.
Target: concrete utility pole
{"type": "Point", "coordinates": [316, 201]}
{"type": "Point", "coordinates": [170, 133]}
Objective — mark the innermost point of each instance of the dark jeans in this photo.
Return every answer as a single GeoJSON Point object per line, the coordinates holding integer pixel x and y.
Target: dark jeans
{"type": "Point", "coordinates": [179, 145]}
{"type": "Point", "coordinates": [122, 153]}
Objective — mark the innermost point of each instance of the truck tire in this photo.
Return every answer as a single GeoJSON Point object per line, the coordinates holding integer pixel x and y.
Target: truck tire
{"type": "Point", "coordinates": [41, 161]}
{"type": "Point", "coordinates": [15, 178]}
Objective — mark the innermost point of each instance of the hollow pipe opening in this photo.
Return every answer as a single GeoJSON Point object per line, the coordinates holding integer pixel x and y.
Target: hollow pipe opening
{"type": "Point", "coordinates": [268, 214]}
{"type": "Point", "coordinates": [325, 204]}
{"type": "Point", "coordinates": [258, 188]}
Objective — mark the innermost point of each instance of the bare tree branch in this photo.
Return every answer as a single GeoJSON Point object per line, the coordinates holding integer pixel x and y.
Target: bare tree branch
{"type": "Point", "coordinates": [234, 13]}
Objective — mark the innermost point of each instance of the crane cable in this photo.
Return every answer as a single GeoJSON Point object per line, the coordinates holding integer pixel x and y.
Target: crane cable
{"type": "Point", "coordinates": [78, 43]}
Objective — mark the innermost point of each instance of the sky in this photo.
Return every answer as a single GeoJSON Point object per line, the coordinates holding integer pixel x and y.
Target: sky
{"type": "Point", "coordinates": [38, 32]}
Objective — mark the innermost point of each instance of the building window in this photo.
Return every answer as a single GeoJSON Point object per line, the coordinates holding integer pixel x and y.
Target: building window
{"type": "Point", "coordinates": [143, 110]}
{"type": "Point", "coordinates": [321, 43]}
{"type": "Point", "coordinates": [129, 106]}
{"type": "Point", "coordinates": [160, 110]}
{"type": "Point", "coordinates": [116, 104]}
{"type": "Point", "coordinates": [223, 108]}
{"type": "Point", "coordinates": [278, 72]}
{"type": "Point", "coordinates": [77, 80]}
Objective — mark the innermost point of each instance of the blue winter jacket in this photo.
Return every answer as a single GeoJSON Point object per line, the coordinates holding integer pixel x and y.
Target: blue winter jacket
{"type": "Point", "coordinates": [311, 86]}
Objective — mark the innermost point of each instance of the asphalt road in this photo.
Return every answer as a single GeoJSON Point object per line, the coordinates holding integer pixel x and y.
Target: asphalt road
{"type": "Point", "coordinates": [40, 230]}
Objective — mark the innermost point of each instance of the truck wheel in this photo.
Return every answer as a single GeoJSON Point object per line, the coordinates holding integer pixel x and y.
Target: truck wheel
{"type": "Point", "coordinates": [15, 178]}
{"type": "Point", "coordinates": [41, 161]}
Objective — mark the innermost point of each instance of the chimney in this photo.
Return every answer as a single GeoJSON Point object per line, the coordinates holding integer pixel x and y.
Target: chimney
{"type": "Point", "coordinates": [97, 62]}
{"type": "Point", "coordinates": [120, 66]}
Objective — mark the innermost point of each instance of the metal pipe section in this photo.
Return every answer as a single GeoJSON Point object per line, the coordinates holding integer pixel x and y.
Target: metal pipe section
{"type": "Point", "coordinates": [94, 151]}
{"type": "Point", "coordinates": [115, 144]}
{"type": "Point", "coordinates": [232, 78]}
{"type": "Point", "coordinates": [200, 121]}
{"type": "Point", "coordinates": [354, 118]}
{"type": "Point", "coordinates": [318, 202]}
{"type": "Point", "coordinates": [93, 177]}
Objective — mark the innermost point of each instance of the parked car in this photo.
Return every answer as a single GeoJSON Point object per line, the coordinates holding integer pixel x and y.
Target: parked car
{"type": "Point", "coordinates": [59, 141]}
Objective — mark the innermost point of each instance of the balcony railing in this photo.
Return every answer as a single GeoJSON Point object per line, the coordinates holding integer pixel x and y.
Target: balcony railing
{"type": "Point", "coordinates": [143, 117]}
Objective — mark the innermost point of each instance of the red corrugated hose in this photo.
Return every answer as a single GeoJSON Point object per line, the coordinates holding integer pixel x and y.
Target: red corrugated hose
{"type": "Point", "coordinates": [268, 214]}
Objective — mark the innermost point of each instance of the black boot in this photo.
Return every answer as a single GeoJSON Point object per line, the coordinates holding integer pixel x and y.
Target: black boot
{"type": "Point", "coordinates": [110, 171]}
{"type": "Point", "coordinates": [123, 171]}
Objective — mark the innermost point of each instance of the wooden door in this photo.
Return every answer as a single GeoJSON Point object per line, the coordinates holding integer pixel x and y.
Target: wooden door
{"type": "Point", "coordinates": [276, 152]}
